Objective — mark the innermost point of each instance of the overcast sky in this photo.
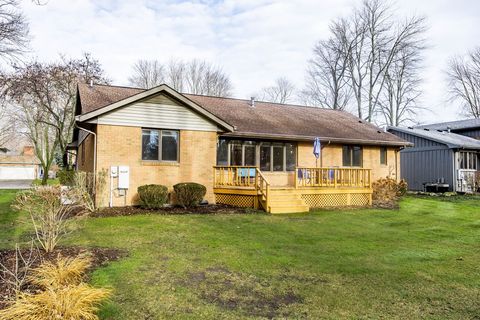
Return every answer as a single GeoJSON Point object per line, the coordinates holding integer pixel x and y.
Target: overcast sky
{"type": "Point", "coordinates": [254, 41]}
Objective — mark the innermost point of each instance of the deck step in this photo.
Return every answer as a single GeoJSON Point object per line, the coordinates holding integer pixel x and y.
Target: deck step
{"type": "Point", "coordinates": [286, 201]}
{"type": "Point", "coordinates": [288, 209]}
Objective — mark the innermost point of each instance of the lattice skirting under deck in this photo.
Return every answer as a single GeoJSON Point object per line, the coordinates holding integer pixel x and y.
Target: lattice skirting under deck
{"type": "Point", "coordinates": [245, 201]}
{"type": "Point", "coordinates": [336, 200]}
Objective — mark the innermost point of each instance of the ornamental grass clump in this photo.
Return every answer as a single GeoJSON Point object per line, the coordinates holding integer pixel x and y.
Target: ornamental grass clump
{"type": "Point", "coordinates": [189, 194]}
{"type": "Point", "coordinates": [387, 192]}
{"type": "Point", "coordinates": [152, 196]}
{"type": "Point", "coordinates": [62, 272]}
{"type": "Point", "coordinates": [61, 295]}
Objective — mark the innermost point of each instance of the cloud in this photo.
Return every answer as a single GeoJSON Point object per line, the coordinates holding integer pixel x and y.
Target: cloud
{"type": "Point", "coordinates": [255, 41]}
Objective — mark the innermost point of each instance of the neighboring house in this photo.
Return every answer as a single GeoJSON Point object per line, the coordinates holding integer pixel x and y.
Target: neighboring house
{"type": "Point", "coordinates": [439, 159]}
{"type": "Point", "coordinates": [247, 153]}
{"type": "Point", "coordinates": [469, 127]}
{"type": "Point", "coordinates": [22, 165]}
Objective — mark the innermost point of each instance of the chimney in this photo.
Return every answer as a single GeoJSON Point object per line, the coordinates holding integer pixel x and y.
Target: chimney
{"type": "Point", "coordinates": [448, 129]}
{"type": "Point", "coordinates": [28, 151]}
{"type": "Point", "coordinates": [252, 102]}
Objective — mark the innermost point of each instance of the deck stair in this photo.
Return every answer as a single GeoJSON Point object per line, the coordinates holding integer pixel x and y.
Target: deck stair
{"type": "Point", "coordinates": [285, 200]}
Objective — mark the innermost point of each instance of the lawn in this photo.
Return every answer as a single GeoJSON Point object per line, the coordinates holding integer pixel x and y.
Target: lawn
{"type": "Point", "coordinates": [420, 261]}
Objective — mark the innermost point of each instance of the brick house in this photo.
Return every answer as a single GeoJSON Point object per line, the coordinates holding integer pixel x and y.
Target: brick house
{"type": "Point", "coordinates": [246, 152]}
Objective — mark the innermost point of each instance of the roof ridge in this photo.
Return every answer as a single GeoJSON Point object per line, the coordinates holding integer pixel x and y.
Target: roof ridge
{"type": "Point", "coordinates": [215, 97]}
{"type": "Point", "coordinates": [112, 85]}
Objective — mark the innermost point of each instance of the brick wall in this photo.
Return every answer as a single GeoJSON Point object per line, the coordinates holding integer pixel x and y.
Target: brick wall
{"type": "Point", "coordinates": [332, 157]}
{"type": "Point", "coordinates": [119, 145]}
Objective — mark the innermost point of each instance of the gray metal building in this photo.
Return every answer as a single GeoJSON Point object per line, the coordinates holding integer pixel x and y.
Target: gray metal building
{"type": "Point", "coordinates": [469, 127]}
{"type": "Point", "coordinates": [439, 157]}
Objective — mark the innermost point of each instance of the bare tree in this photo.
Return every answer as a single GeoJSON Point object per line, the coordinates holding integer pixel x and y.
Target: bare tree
{"type": "Point", "coordinates": [195, 76]}
{"type": "Point", "coordinates": [147, 74]}
{"type": "Point", "coordinates": [464, 82]}
{"type": "Point", "coordinates": [44, 96]}
{"type": "Point", "coordinates": [281, 92]}
{"type": "Point", "coordinates": [399, 101]}
{"type": "Point", "coordinates": [326, 81]}
{"type": "Point", "coordinates": [13, 30]}
{"type": "Point", "coordinates": [355, 61]}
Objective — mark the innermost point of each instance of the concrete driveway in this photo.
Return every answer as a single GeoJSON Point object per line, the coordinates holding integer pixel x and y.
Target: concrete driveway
{"type": "Point", "coordinates": [15, 184]}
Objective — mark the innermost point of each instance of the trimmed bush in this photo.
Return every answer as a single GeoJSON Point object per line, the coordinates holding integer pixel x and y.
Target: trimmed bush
{"type": "Point", "coordinates": [66, 177]}
{"type": "Point", "coordinates": [152, 196]}
{"type": "Point", "coordinates": [189, 194]}
{"type": "Point", "coordinates": [387, 192]}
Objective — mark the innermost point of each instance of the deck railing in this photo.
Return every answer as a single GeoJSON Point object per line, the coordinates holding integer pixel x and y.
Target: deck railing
{"type": "Point", "coordinates": [332, 177]}
{"type": "Point", "coordinates": [245, 177]}
{"type": "Point", "coordinates": [234, 176]}
{"type": "Point", "coordinates": [263, 187]}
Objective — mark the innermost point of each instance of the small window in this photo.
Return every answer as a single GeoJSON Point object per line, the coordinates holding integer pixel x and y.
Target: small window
{"type": "Point", "coordinates": [236, 154]}
{"type": "Point", "coordinates": [169, 145]}
{"type": "Point", "coordinates": [278, 157]}
{"type": "Point", "coordinates": [468, 160]}
{"type": "Point", "coordinates": [150, 144]}
{"type": "Point", "coordinates": [160, 145]}
{"type": "Point", "coordinates": [249, 155]}
{"type": "Point", "coordinates": [291, 156]}
{"type": "Point", "coordinates": [222, 152]}
{"type": "Point", "coordinates": [383, 155]}
{"type": "Point", "coordinates": [265, 157]}
{"type": "Point", "coordinates": [352, 156]}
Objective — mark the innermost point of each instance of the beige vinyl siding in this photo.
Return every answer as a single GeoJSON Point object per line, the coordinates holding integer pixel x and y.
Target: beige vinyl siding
{"type": "Point", "coordinates": [158, 112]}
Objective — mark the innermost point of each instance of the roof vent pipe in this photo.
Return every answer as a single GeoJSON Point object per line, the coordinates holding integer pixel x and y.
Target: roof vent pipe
{"type": "Point", "coordinates": [252, 102]}
{"type": "Point", "coordinates": [91, 83]}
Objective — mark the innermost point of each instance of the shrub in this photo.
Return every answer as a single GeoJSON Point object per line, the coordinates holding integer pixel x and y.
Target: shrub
{"type": "Point", "coordinates": [62, 272]}
{"type": "Point", "coordinates": [49, 208]}
{"type": "Point", "coordinates": [62, 294]}
{"type": "Point", "coordinates": [47, 211]}
{"type": "Point", "coordinates": [66, 177]}
{"type": "Point", "coordinates": [387, 192]}
{"type": "Point", "coordinates": [152, 196]}
{"type": "Point", "coordinates": [189, 194]}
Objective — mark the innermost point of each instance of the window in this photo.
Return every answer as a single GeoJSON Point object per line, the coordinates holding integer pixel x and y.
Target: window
{"type": "Point", "coordinates": [249, 154]}
{"type": "Point", "coordinates": [265, 157]}
{"type": "Point", "coordinates": [291, 156]}
{"type": "Point", "coordinates": [159, 145]}
{"type": "Point", "coordinates": [467, 160]}
{"type": "Point", "coordinates": [352, 156]}
{"type": "Point", "coordinates": [236, 154]}
{"type": "Point", "coordinates": [222, 152]}
{"type": "Point", "coordinates": [269, 156]}
{"type": "Point", "coordinates": [383, 155]}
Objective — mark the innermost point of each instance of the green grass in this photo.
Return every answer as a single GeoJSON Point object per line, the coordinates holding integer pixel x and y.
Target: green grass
{"type": "Point", "coordinates": [50, 182]}
{"type": "Point", "coordinates": [421, 261]}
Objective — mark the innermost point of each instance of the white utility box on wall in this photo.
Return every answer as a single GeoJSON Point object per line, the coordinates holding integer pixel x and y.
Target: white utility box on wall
{"type": "Point", "coordinates": [123, 177]}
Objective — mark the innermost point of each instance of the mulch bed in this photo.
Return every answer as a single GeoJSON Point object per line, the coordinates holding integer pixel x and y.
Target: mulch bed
{"type": "Point", "coordinates": [201, 209]}
{"type": "Point", "coordinates": [99, 256]}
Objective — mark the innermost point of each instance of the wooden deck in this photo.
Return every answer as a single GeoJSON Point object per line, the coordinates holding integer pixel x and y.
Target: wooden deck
{"type": "Point", "coordinates": [314, 187]}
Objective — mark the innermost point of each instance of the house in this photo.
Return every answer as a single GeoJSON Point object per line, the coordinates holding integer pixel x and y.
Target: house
{"type": "Point", "coordinates": [469, 127]}
{"type": "Point", "coordinates": [247, 153]}
{"type": "Point", "coordinates": [440, 159]}
{"type": "Point", "coordinates": [22, 165]}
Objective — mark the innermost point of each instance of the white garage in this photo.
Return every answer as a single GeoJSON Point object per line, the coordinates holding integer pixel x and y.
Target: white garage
{"type": "Point", "coordinates": [25, 172]}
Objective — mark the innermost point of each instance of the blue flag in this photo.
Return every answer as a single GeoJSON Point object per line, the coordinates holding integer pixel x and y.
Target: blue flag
{"type": "Point", "coordinates": [317, 147]}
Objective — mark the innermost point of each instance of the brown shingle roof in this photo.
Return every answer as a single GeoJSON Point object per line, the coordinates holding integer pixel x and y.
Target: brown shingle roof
{"type": "Point", "coordinates": [264, 120]}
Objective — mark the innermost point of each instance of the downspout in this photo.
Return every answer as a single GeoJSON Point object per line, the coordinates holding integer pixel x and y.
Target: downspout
{"type": "Point", "coordinates": [94, 152]}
